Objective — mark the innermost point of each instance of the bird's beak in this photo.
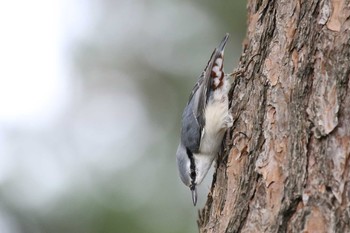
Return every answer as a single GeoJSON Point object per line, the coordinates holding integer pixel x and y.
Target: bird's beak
{"type": "Point", "coordinates": [194, 194]}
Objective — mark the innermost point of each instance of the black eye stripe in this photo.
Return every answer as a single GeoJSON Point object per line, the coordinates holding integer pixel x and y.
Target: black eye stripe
{"type": "Point", "coordinates": [193, 175]}
{"type": "Point", "coordinates": [192, 165]}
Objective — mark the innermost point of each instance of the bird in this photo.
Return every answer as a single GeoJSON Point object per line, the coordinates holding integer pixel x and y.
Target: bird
{"type": "Point", "coordinates": [205, 120]}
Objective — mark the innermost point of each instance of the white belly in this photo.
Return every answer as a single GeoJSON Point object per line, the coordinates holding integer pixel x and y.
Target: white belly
{"type": "Point", "coordinates": [214, 130]}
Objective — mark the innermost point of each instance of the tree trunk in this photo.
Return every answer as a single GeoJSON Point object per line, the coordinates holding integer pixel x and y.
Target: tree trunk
{"type": "Point", "coordinates": [285, 164]}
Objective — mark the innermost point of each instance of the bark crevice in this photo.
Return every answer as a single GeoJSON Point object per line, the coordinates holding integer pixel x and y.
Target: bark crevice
{"type": "Point", "coordinates": [291, 171]}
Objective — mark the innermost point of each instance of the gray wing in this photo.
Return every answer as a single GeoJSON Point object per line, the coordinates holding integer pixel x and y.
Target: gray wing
{"type": "Point", "coordinates": [193, 120]}
{"type": "Point", "coordinates": [191, 128]}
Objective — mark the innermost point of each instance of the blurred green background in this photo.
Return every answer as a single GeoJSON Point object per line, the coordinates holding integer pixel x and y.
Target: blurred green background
{"type": "Point", "coordinates": [91, 96]}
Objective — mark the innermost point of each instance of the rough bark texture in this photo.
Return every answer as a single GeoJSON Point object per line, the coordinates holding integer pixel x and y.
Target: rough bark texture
{"type": "Point", "coordinates": [291, 171]}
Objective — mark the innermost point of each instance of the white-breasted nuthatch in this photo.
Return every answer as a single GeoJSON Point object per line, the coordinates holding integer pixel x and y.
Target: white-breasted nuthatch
{"type": "Point", "coordinates": [204, 122]}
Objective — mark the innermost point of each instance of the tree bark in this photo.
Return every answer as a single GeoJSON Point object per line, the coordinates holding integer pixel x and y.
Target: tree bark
{"type": "Point", "coordinates": [285, 164]}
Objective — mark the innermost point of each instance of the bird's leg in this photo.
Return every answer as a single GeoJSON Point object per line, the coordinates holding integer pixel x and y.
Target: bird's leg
{"type": "Point", "coordinates": [228, 121]}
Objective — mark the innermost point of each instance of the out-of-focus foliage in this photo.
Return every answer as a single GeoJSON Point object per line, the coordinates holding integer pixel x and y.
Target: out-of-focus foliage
{"type": "Point", "coordinates": [106, 163]}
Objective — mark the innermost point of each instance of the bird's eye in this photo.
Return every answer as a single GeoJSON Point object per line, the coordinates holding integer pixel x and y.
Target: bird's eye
{"type": "Point", "coordinates": [193, 174]}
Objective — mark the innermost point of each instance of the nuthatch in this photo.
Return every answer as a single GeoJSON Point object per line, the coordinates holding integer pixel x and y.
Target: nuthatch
{"type": "Point", "coordinates": [204, 122]}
